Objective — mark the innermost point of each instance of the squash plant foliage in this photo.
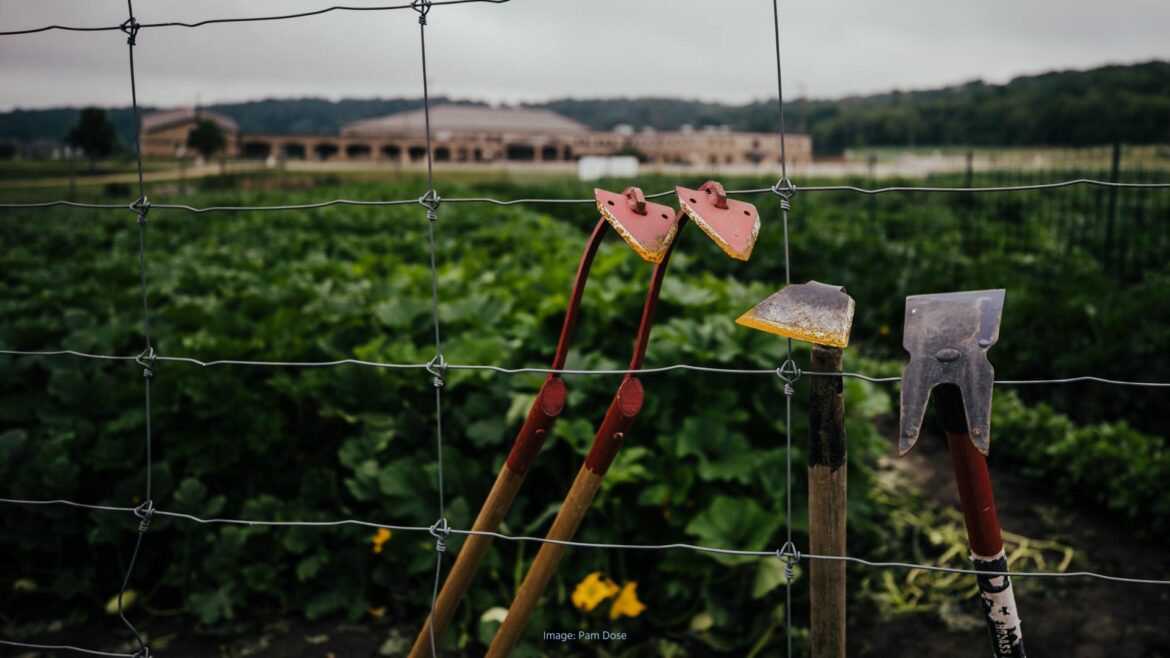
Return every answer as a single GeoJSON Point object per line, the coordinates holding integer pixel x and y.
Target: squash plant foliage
{"type": "Point", "coordinates": [704, 464]}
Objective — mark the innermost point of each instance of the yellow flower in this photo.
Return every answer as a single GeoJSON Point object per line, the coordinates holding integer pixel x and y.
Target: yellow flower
{"type": "Point", "coordinates": [884, 330]}
{"type": "Point", "coordinates": [376, 613]}
{"type": "Point", "coordinates": [379, 538]}
{"type": "Point", "coordinates": [592, 591]}
{"type": "Point", "coordinates": [627, 602]}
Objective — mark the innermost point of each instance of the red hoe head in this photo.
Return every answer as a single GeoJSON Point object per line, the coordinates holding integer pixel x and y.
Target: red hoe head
{"type": "Point", "coordinates": [648, 227]}
{"type": "Point", "coordinates": [733, 225]}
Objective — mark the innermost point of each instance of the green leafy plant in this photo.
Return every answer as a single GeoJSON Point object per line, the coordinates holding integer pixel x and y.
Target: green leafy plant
{"type": "Point", "coordinates": [704, 463]}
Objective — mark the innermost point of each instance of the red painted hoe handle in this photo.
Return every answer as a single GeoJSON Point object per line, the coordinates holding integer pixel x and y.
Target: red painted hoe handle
{"type": "Point", "coordinates": [621, 414]}
{"type": "Point", "coordinates": [544, 412]}
{"type": "Point", "coordinates": [983, 532]}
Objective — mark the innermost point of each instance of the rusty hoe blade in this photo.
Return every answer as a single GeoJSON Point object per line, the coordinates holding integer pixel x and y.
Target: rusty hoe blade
{"type": "Point", "coordinates": [947, 336]}
{"type": "Point", "coordinates": [812, 312]}
{"type": "Point", "coordinates": [648, 227]}
{"type": "Point", "coordinates": [733, 225]}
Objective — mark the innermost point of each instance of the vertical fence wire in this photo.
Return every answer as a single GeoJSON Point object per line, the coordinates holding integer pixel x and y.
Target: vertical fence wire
{"type": "Point", "coordinates": [788, 372]}
{"type": "Point", "coordinates": [141, 207]}
{"type": "Point", "coordinates": [438, 365]}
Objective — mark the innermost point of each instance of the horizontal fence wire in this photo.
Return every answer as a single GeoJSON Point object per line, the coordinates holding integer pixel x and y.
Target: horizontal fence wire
{"type": "Point", "coordinates": [63, 647]}
{"type": "Point", "coordinates": [656, 195]}
{"type": "Point", "coordinates": [244, 19]}
{"type": "Point", "coordinates": [683, 367]}
{"type": "Point", "coordinates": [584, 544]}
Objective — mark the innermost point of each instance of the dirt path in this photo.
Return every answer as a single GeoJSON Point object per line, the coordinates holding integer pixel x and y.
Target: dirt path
{"type": "Point", "coordinates": [1077, 618]}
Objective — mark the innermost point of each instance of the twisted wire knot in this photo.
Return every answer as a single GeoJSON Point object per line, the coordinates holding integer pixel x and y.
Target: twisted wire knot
{"type": "Point", "coordinates": [141, 206]}
{"type": "Point", "coordinates": [422, 7]}
{"type": "Point", "coordinates": [785, 190]}
{"type": "Point", "coordinates": [789, 556]}
{"type": "Point", "coordinates": [431, 201]}
{"type": "Point", "coordinates": [437, 367]}
{"type": "Point", "coordinates": [144, 512]}
{"type": "Point", "coordinates": [144, 652]}
{"type": "Point", "coordinates": [146, 360]}
{"type": "Point", "coordinates": [789, 373]}
{"type": "Point", "coordinates": [440, 530]}
{"type": "Point", "coordinates": [130, 28]}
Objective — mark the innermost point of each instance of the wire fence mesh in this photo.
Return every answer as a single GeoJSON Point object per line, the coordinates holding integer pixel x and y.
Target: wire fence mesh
{"type": "Point", "coordinates": [1126, 256]}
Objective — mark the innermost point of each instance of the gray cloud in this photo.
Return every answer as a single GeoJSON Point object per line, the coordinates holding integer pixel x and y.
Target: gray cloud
{"type": "Point", "coordinates": [539, 49]}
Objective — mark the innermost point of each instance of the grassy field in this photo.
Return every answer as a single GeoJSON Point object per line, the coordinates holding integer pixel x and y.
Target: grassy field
{"type": "Point", "coordinates": [704, 465]}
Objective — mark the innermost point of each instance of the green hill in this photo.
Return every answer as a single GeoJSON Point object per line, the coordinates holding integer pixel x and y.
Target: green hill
{"type": "Point", "coordinates": [1130, 103]}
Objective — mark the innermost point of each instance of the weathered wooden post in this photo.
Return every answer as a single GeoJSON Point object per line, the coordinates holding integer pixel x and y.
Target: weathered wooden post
{"type": "Point", "coordinates": [822, 315]}
{"type": "Point", "coordinates": [827, 471]}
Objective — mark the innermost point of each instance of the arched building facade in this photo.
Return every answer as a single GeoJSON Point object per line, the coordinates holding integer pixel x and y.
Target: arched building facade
{"type": "Point", "coordinates": [474, 134]}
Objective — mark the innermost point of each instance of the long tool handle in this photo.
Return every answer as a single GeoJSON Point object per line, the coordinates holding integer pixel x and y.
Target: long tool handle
{"type": "Point", "coordinates": [827, 473]}
{"type": "Point", "coordinates": [470, 555]}
{"type": "Point", "coordinates": [549, 403]}
{"type": "Point", "coordinates": [545, 565]}
{"type": "Point", "coordinates": [544, 412]}
{"type": "Point", "coordinates": [622, 411]}
{"type": "Point", "coordinates": [983, 532]}
{"type": "Point", "coordinates": [610, 436]}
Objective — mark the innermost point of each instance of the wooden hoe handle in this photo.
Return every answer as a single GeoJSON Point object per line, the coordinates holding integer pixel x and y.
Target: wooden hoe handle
{"type": "Point", "coordinates": [545, 409]}
{"type": "Point", "coordinates": [622, 411]}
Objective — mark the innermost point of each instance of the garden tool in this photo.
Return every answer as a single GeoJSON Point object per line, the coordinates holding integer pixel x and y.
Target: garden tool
{"type": "Point", "coordinates": [734, 225]}
{"type": "Point", "coordinates": [947, 336]}
{"type": "Point", "coordinates": [649, 228]}
{"type": "Point", "coordinates": [820, 314]}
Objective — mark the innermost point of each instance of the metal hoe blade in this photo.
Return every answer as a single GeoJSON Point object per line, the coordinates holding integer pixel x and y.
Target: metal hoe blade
{"type": "Point", "coordinates": [648, 227]}
{"type": "Point", "coordinates": [733, 225]}
{"type": "Point", "coordinates": [947, 336]}
{"type": "Point", "coordinates": [812, 312]}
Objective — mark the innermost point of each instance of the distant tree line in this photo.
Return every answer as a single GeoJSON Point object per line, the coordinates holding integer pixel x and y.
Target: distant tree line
{"type": "Point", "coordinates": [1071, 108]}
{"type": "Point", "coordinates": [1067, 108]}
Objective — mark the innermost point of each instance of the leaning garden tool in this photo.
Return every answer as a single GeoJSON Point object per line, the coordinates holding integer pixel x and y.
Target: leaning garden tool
{"type": "Point", "coordinates": [649, 228]}
{"type": "Point", "coordinates": [734, 224]}
{"type": "Point", "coordinates": [947, 336]}
{"type": "Point", "coordinates": [821, 314]}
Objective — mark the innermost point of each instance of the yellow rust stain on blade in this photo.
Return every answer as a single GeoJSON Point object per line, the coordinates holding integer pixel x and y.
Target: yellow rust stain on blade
{"type": "Point", "coordinates": [806, 334]}
{"type": "Point", "coordinates": [653, 253]}
{"type": "Point", "coordinates": [813, 312]}
{"type": "Point", "coordinates": [714, 235]}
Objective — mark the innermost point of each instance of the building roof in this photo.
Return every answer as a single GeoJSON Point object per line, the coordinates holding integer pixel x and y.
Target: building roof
{"type": "Point", "coordinates": [467, 118]}
{"type": "Point", "coordinates": [156, 121]}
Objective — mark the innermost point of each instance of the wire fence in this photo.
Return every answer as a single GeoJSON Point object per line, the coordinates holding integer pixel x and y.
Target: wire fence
{"type": "Point", "coordinates": [438, 366]}
{"type": "Point", "coordinates": [656, 195]}
{"type": "Point", "coordinates": [677, 367]}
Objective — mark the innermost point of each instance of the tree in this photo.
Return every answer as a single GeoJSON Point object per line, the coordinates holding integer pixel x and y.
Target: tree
{"type": "Point", "coordinates": [93, 134]}
{"type": "Point", "coordinates": [207, 138]}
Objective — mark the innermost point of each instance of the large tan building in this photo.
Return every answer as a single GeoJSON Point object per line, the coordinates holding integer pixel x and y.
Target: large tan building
{"type": "Point", "coordinates": [479, 134]}
{"type": "Point", "coordinates": [164, 134]}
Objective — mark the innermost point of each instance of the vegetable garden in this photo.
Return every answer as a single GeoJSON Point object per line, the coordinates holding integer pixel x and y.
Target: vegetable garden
{"type": "Point", "coordinates": [704, 463]}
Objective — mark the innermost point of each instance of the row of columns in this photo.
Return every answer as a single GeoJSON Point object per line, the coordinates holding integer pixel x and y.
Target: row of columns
{"type": "Point", "coordinates": [402, 153]}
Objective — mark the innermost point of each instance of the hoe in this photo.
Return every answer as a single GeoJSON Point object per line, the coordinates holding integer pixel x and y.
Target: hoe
{"type": "Point", "coordinates": [948, 336]}
{"type": "Point", "coordinates": [820, 314]}
{"type": "Point", "coordinates": [650, 229]}
{"type": "Point", "coordinates": [734, 226]}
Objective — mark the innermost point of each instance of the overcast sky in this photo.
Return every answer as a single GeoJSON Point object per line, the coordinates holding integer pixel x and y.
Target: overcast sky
{"type": "Point", "coordinates": [539, 49]}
